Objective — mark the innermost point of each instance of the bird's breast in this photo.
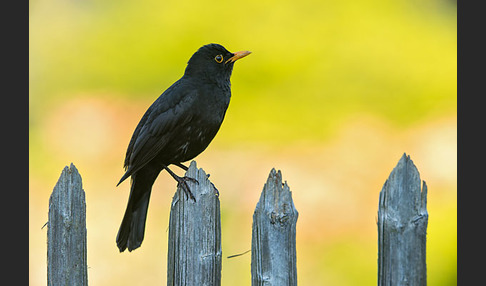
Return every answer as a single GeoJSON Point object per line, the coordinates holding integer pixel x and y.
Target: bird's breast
{"type": "Point", "coordinates": [195, 139]}
{"type": "Point", "coordinates": [203, 119]}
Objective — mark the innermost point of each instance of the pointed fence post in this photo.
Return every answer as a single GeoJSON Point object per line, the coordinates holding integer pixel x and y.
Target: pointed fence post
{"type": "Point", "coordinates": [194, 254]}
{"type": "Point", "coordinates": [66, 232]}
{"type": "Point", "coordinates": [402, 227]}
{"type": "Point", "coordinates": [273, 252]}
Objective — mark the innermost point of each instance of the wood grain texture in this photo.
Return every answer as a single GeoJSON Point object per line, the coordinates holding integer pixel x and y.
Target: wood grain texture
{"type": "Point", "coordinates": [194, 254]}
{"type": "Point", "coordinates": [402, 227]}
{"type": "Point", "coordinates": [273, 253]}
{"type": "Point", "coordinates": [66, 233]}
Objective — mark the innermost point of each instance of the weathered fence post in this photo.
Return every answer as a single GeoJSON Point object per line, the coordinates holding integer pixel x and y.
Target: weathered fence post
{"type": "Point", "coordinates": [402, 226]}
{"type": "Point", "coordinates": [66, 232]}
{"type": "Point", "coordinates": [194, 254]}
{"type": "Point", "coordinates": [273, 253]}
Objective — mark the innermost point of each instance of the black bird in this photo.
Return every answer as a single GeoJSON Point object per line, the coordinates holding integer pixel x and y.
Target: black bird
{"type": "Point", "coordinates": [177, 127]}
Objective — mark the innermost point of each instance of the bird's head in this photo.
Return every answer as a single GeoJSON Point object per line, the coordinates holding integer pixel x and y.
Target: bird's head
{"type": "Point", "coordinates": [213, 61]}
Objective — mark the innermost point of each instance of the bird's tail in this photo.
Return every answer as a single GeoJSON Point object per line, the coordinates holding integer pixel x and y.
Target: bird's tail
{"type": "Point", "coordinates": [132, 228]}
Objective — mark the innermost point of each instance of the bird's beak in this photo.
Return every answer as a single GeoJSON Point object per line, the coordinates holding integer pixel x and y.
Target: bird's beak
{"type": "Point", "coordinates": [237, 56]}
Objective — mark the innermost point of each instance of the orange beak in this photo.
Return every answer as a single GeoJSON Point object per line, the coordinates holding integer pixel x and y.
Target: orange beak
{"type": "Point", "coordinates": [238, 55]}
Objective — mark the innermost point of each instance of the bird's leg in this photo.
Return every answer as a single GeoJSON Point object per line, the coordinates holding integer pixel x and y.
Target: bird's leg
{"type": "Point", "coordinates": [181, 166]}
{"type": "Point", "coordinates": [181, 181]}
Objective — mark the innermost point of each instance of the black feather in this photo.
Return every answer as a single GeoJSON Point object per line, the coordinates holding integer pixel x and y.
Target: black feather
{"type": "Point", "coordinates": [177, 127]}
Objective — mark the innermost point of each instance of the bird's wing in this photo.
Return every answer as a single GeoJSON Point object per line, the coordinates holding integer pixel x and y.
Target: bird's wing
{"type": "Point", "coordinates": [158, 125]}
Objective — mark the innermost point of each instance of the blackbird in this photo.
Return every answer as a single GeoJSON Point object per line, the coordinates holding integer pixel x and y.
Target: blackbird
{"type": "Point", "coordinates": [177, 127]}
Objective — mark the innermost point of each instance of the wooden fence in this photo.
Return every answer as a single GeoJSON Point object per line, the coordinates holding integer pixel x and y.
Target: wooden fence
{"type": "Point", "coordinates": [194, 254]}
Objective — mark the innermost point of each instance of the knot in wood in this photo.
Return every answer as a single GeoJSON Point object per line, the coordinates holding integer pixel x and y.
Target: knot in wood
{"type": "Point", "coordinates": [279, 217]}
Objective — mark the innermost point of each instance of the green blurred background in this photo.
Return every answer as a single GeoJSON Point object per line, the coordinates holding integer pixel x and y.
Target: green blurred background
{"type": "Point", "coordinates": [333, 94]}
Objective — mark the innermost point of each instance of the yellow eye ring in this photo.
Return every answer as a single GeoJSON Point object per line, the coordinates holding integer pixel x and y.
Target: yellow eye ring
{"type": "Point", "coordinates": [218, 59]}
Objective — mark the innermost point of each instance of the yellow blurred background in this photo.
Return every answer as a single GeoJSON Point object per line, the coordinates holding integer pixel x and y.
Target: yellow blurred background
{"type": "Point", "coordinates": [333, 94]}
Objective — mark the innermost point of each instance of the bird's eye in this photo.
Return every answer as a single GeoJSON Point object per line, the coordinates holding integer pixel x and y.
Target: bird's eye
{"type": "Point", "coordinates": [218, 59]}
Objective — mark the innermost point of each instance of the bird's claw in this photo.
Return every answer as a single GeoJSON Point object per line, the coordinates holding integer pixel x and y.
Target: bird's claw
{"type": "Point", "coordinates": [182, 182]}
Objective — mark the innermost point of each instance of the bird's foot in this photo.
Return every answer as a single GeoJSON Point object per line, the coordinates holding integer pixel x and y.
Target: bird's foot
{"type": "Point", "coordinates": [182, 182]}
